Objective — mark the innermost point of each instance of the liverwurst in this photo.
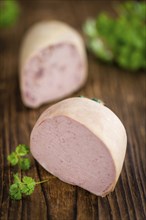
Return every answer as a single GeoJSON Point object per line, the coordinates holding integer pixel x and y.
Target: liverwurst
{"type": "Point", "coordinates": [81, 142]}
{"type": "Point", "coordinates": [53, 63]}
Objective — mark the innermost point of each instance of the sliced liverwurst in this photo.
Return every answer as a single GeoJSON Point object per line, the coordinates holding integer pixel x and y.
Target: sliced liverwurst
{"type": "Point", "coordinates": [53, 63]}
{"type": "Point", "coordinates": [81, 142]}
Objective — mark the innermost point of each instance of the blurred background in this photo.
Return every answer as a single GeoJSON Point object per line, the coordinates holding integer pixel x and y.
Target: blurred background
{"type": "Point", "coordinates": [120, 84]}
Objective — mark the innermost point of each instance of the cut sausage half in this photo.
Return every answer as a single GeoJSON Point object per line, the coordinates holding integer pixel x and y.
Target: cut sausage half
{"type": "Point", "coordinates": [82, 143]}
{"type": "Point", "coordinates": [52, 63]}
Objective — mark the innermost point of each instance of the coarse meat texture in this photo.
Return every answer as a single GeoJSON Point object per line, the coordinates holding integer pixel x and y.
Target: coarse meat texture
{"type": "Point", "coordinates": [71, 152]}
{"type": "Point", "coordinates": [52, 73]}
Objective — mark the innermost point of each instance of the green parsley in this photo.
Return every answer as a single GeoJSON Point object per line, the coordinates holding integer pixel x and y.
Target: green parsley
{"type": "Point", "coordinates": [17, 157]}
{"type": "Point", "coordinates": [9, 12]}
{"type": "Point", "coordinates": [98, 100]}
{"type": "Point", "coordinates": [122, 39]}
{"type": "Point", "coordinates": [94, 99]}
{"type": "Point", "coordinates": [24, 187]}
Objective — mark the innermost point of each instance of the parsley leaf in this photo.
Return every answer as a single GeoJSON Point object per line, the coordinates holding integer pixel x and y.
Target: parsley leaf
{"type": "Point", "coordinates": [15, 192]}
{"type": "Point", "coordinates": [13, 159]}
{"type": "Point", "coordinates": [15, 188]}
{"type": "Point", "coordinates": [22, 150]}
{"type": "Point", "coordinates": [28, 186]}
{"type": "Point", "coordinates": [17, 157]}
{"type": "Point", "coordinates": [24, 187]}
{"type": "Point", "coordinates": [24, 163]}
{"type": "Point", "coordinates": [9, 11]}
{"type": "Point", "coordinates": [94, 99]}
{"type": "Point", "coordinates": [98, 100]}
{"type": "Point", "coordinates": [16, 178]}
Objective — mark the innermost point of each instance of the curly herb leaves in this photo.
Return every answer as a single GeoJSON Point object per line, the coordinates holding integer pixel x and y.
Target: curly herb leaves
{"type": "Point", "coordinates": [17, 157]}
{"type": "Point", "coordinates": [24, 187]}
{"type": "Point", "coordinates": [120, 40]}
{"type": "Point", "coordinates": [9, 13]}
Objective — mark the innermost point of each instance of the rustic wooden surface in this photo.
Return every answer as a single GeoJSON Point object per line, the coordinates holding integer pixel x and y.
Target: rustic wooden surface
{"type": "Point", "coordinates": [122, 91]}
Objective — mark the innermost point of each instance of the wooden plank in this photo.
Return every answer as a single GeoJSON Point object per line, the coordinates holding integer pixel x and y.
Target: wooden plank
{"type": "Point", "coordinates": [122, 91]}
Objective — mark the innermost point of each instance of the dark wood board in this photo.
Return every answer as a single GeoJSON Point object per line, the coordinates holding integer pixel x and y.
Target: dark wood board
{"type": "Point", "coordinates": [122, 91]}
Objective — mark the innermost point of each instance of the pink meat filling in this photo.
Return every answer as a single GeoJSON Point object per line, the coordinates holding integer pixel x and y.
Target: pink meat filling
{"type": "Point", "coordinates": [52, 73]}
{"type": "Point", "coordinates": [71, 152]}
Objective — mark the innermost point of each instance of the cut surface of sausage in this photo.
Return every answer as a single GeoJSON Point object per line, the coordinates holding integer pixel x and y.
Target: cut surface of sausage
{"type": "Point", "coordinates": [52, 73]}
{"type": "Point", "coordinates": [73, 154]}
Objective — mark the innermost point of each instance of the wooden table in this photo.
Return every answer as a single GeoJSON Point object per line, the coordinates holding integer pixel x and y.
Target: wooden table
{"type": "Point", "coordinates": [122, 91]}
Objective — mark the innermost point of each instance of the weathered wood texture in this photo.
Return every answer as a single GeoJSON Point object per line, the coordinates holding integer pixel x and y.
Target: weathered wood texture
{"type": "Point", "coordinates": [122, 91]}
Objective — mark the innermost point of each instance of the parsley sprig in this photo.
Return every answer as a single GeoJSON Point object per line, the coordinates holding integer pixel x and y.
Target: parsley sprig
{"type": "Point", "coordinates": [94, 99]}
{"type": "Point", "coordinates": [24, 187]}
{"type": "Point", "coordinates": [18, 157]}
{"type": "Point", "coordinates": [9, 13]}
{"type": "Point", "coordinates": [121, 39]}
{"type": "Point", "coordinates": [98, 100]}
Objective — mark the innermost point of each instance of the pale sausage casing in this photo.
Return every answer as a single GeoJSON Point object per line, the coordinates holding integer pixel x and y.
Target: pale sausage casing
{"type": "Point", "coordinates": [81, 142]}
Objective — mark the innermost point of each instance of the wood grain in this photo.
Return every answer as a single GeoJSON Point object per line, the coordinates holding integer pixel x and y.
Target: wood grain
{"type": "Point", "coordinates": [122, 91]}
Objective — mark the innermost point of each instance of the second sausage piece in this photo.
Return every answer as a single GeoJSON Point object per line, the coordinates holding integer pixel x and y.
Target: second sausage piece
{"type": "Point", "coordinates": [53, 63]}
